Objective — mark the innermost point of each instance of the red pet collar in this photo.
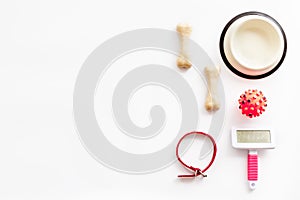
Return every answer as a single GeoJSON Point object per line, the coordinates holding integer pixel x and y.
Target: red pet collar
{"type": "Point", "coordinates": [196, 170]}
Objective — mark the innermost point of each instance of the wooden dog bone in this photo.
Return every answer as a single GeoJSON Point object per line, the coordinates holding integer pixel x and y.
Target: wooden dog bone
{"type": "Point", "coordinates": [184, 31]}
{"type": "Point", "coordinates": [212, 77]}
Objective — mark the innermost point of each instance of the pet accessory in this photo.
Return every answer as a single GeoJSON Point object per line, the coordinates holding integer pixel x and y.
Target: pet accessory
{"type": "Point", "coordinates": [197, 171]}
{"type": "Point", "coordinates": [252, 140]}
{"type": "Point", "coordinates": [184, 31]}
{"type": "Point", "coordinates": [253, 45]}
{"type": "Point", "coordinates": [212, 76]}
{"type": "Point", "coordinates": [252, 103]}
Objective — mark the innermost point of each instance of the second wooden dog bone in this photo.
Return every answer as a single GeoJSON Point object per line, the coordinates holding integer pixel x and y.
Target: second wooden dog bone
{"type": "Point", "coordinates": [212, 77]}
{"type": "Point", "coordinates": [184, 31]}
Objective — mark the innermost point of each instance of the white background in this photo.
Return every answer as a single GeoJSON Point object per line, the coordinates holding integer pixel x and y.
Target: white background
{"type": "Point", "coordinates": [43, 45]}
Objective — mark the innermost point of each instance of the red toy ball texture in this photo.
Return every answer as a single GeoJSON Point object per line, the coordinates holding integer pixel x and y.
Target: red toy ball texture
{"type": "Point", "coordinates": [252, 103]}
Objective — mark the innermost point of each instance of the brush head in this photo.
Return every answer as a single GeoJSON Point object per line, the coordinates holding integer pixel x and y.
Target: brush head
{"type": "Point", "coordinates": [252, 138]}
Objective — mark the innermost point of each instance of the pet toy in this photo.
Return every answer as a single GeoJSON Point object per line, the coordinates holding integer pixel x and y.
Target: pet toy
{"type": "Point", "coordinates": [184, 31]}
{"type": "Point", "coordinates": [252, 103]}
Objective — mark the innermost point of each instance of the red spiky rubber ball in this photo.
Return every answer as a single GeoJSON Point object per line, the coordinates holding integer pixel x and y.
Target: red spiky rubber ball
{"type": "Point", "coordinates": [252, 103]}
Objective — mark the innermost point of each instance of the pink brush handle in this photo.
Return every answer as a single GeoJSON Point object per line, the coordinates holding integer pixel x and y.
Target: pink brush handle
{"type": "Point", "coordinates": [252, 168]}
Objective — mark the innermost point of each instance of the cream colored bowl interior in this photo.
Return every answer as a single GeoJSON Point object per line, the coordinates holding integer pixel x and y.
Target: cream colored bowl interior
{"type": "Point", "coordinates": [254, 44]}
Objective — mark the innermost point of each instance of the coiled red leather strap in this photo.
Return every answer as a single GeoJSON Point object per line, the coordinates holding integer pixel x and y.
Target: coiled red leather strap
{"type": "Point", "coordinates": [197, 171]}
